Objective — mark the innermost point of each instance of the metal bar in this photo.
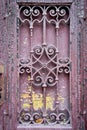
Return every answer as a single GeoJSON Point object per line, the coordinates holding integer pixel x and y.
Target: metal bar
{"type": "Point", "coordinates": [44, 27]}
{"type": "Point", "coordinates": [31, 79]}
{"type": "Point", "coordinates": [44, 101]}
{"type": "Point", "coordinates": [44, 97]}
{"type": "Point", "coordinates": [57, 76]}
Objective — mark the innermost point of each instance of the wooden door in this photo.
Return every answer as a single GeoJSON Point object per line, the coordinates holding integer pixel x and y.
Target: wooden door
{"type": "Point", "coordinates": [43, 74]}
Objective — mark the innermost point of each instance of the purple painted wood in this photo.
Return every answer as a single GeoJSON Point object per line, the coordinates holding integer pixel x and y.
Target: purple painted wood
{"type": "Point", "coordinates": [84, 66]}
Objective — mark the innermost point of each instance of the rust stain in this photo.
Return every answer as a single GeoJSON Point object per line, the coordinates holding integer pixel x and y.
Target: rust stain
{"type": "Point", "coordinates": [39, 120]}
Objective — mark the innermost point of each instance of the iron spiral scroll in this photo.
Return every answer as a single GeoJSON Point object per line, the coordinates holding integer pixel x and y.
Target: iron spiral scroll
{"type": "Point", "coordinates": [46, 73]}
{"type": "Point", "coordinates": [51, 118]}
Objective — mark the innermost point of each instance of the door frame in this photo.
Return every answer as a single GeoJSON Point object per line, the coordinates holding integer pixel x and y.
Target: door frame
{"type": "Point", "coordinates": [13, 57]}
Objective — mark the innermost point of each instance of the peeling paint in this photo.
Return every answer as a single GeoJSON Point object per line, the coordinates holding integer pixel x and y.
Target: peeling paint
{"type": "Point", "coordinates": [26, 105]}
{"type": "Point", "coordinates": [37, 100]}
{"type": "Point", "coordinates": [61, 99]}
{"type": "Point", "coordinates": [49, 102]}
{"type": "Point", "coordinates": [1, 69]}
{"type": "Point", "coordinates": [25, 95]}
{"type": "Point", "coordinates": [29, 78]}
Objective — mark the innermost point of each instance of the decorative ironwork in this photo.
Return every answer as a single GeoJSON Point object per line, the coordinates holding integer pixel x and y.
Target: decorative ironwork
{"type": "Point", "coordinates": [33, 14]}
{"type": "Point", "coordinates": [46, 58]}
{"type": "Point", "coordinates": [64, 65]}
{"type": "Point", "coordinates": [45, 74]}
{"type": "Point", "coordinates": [51, 118]}
{"type": "Point", "coordinates": [44, 64]}
{"type": "Point", "coordinates": [24, 66]}
{"type": "Point", "coordinates": [44, 14]}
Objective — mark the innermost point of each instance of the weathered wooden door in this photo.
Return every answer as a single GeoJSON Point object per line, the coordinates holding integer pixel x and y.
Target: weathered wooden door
{"type": "Point", "coordinates": [43, 80]}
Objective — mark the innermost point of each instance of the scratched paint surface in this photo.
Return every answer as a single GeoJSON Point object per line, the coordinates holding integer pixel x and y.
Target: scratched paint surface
{"type": "Point", "coordinates": [36, 97]}
{"type": "Point", "coordinates": [29, 95]}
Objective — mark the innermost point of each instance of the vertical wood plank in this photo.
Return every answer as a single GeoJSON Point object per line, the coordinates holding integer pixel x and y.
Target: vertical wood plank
{"type": "Point", "coordinates": [84, 65]}
{"type": "Point", "coordinates": [3, 57]}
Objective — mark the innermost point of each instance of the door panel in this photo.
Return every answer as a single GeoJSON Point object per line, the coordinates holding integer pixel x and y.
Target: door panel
{"type": "Point", "coordinates": [44, 67]}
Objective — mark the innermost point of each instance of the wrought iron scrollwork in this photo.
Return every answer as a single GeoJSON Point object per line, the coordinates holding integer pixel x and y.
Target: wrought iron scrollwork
{"type": "Point", "coordinates": [44, 75]}
{"type": "Point", "coordinates": [52, 14]}
{"type": "Point", "coordinates": [45, 72]}
{"type": "Point", "coordinates": [51, 118]}
{"type": "Point", "coordinates": [44, 65]}
{"type": "Point", "coordinates": [46, 58]}
{"type": "Point", "coordinates": [64, 65]}
{"type": "Point", "coordinates": [24, 66]}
